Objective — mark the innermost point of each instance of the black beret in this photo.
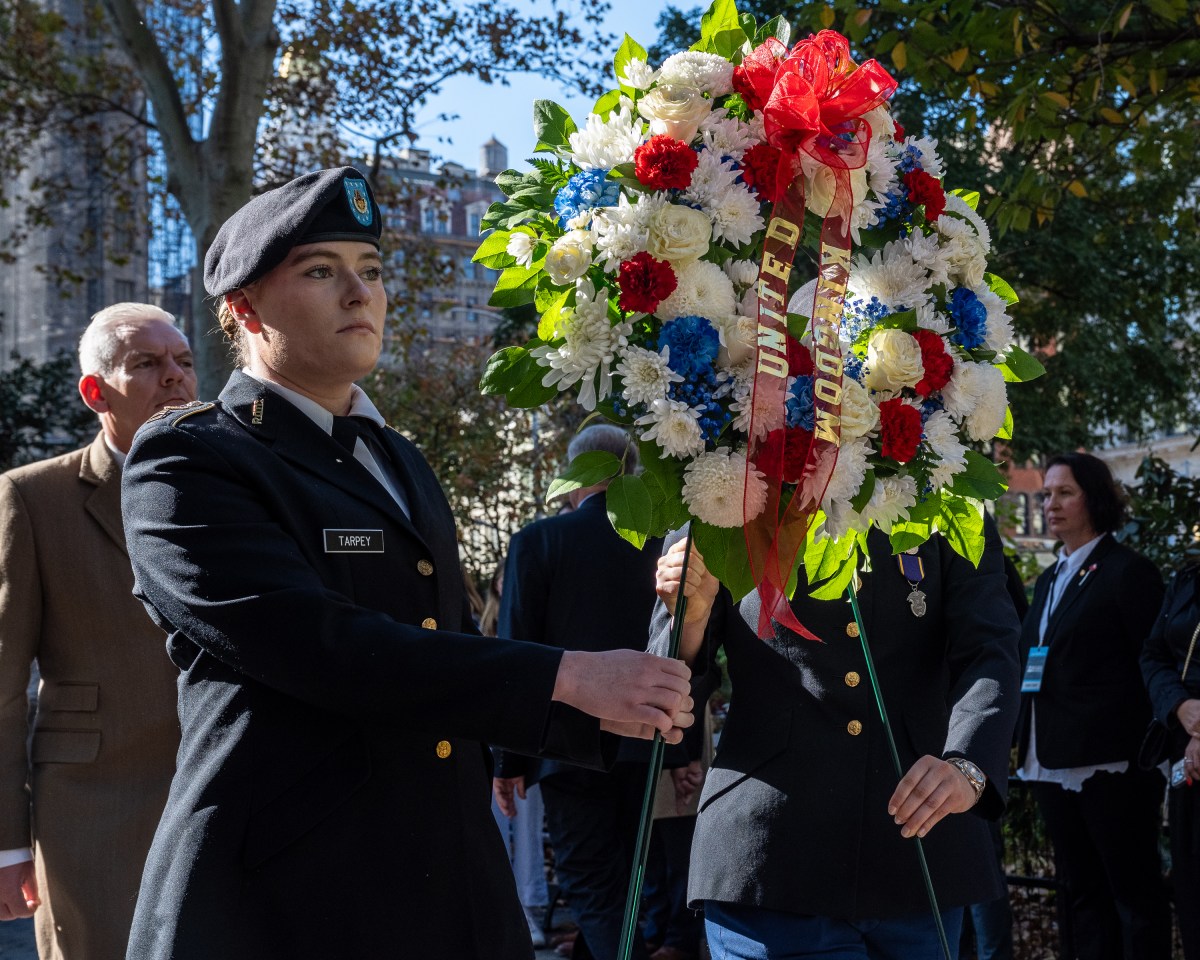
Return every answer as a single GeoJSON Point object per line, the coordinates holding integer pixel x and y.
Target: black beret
{"type": "Point", "coordinates": [328, 205]}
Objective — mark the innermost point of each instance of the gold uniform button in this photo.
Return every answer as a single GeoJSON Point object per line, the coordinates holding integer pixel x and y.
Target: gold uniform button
{"type": "Point", "coordinates": [443, 749]}
{"type": "Point", "coordinates": [429, 623]}
{"type": "Point", "coordinates": [854, 728]}
{"type": "Point", "coordinates": [425, 568]}
{"type": "Point", "coordinates": [853, 679]}
{"type": "Point", "coordinates": [852, 629]}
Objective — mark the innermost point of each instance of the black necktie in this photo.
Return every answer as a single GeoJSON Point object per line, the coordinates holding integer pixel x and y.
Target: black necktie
{"type": "Point", "coordinates": [347, 430]}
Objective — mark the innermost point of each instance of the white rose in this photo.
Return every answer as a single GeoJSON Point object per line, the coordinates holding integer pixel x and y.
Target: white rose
{"type": "Point", "coordinates": [821, 187]}
{"type": "Point", "coordinates": [679, 234]}
{"type": "Point", "coordinates": [739, 340]}
{"type": "Point", "coordinates": [893, 361]}
{"type": "Point", "coordinates": [674, 111]}
{"type": "Point", "coordinates": [859, 413]}
{"type": "Point", "coordinates": [570, 257]}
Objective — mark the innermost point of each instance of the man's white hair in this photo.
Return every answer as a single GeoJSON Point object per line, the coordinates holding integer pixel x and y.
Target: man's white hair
{"type": "Point", "coordinates": [101, 341]}
{"type": "Point", "coordinates": [609, 438]}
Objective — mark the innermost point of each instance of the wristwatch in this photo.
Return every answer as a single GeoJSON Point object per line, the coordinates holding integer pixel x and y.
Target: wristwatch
{"type": "Point", "coordinates": [975, 776]}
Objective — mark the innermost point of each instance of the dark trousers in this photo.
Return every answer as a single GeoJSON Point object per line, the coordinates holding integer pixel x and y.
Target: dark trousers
{"type": "Point", "coordinates": [1183, 805]}
{"type": "Point", "coordinates": [592, 819]}
{"type": "Point", "coordinates": [668, 921]}
{"type": "Point", "coordinates": [1106, 850]}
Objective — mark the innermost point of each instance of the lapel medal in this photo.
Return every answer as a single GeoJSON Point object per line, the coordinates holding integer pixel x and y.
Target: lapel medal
{"type": "Point", "coordinates": [913, 570]}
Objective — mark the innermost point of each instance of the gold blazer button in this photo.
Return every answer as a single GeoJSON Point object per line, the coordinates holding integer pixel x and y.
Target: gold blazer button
{"type": "Point", "coordinates": [429, 623]}
{"type": "Point", "coordinates": [854, 728]}
{"type": "Point", "coordinates": [425, 568]}
{"type": "Point", "coordinates": [443, 749]}
{"type": "Point", "coordinates": [852, 629]}
{"type": "Point", "coordinates": [853, 679]}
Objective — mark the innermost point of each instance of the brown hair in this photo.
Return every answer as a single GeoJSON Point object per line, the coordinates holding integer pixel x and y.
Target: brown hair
{"type": "Point", "coordinates": [234, 333]}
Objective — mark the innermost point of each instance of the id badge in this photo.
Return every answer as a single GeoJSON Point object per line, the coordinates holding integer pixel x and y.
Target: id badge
{"type": "Point", "coordinates": [1036, 666]}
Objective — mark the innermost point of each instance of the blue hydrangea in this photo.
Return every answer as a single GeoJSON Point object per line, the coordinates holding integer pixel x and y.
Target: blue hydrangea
{"type": "Point", "coordinates": [699, 392]}
{"type": "Point", "coordinates": [586, 190]}
{"type": "Point", "coordinates": [858, 314]}
{"type": "Point", "coordinates": [910, 160]}
{"type": "Point", "coordinates": [929, 408]}
{"type": "Point", "coordinates": [800, 410]}
{"type": "Point", "coordinates": [694, 343]}
{"type": "Point", "coordinates": [970, 317]}
{"type": "Point", "coordinates": [852, 366]}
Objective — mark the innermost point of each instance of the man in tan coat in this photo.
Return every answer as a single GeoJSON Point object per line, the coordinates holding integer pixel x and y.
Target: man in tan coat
{"type": "Point", "coordinates": [80, 800]}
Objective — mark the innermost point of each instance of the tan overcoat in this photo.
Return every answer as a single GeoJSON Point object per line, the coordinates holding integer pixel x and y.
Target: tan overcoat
{"type": "Point", "coordinates": [106, 732]}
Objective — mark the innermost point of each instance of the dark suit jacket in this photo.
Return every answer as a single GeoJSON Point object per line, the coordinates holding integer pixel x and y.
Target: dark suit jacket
{"type": "Point", "coordinates": [332, 793]}
{"type": "Point", "coordinates": [1166, 650]}
{"type": "Point", "coordinates": [571, 582]}
{"type": "Point", "coordinates": [793, 815]}
{"type": "Point", "coordinates": [1092, 708]}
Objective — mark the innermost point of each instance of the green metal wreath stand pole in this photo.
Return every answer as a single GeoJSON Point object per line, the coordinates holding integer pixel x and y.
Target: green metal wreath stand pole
{"type": "Point", "coordinates": [633, 899]}
{"type": "Point", "coordinates": [891, 741]}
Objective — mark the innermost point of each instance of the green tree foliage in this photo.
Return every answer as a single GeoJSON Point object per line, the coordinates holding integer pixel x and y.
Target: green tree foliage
{"type": "Point", "coordinates": [1164, 509]}
{"type": "Point", "coordinates": [1079, 123]}
{"type": "Point", "coordinates": [41, 414]}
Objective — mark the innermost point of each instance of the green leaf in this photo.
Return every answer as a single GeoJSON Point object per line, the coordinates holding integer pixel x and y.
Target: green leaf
{"type": "Point", "coordinates": [823, 556]}
{"type": "Point", "coordinates": [493, 250]}
{"type": "Point", "coordinates": [777, 27]}
{"type": "Point", "coordinates": [629, 50]}
{"type": "Point", "coordinates": [1000, 288]}
{"type": "Point", "coordinates": [961, 523]}
{"type": "Point", "coordinates": [969, 197]}
{"type": "Point", "coordinates": [505, 369]}
{"type": "Point", "coordinates": [863, 497]}
{"type": "Point", "coordinates": [666, 473]}
{"type": "Point", "coordinates": [724, 553]}
{"type": "Point", "coordinates": [552, 125]}
{"type": "Point", "coordinates": [630, 509]}
{"type": "Point", "coordinates": [721, 30]}
{"type": "Point", "coordinates": [607, 104]}
{"type": "Point", "coordinates": [514, 287]}
{"type": "Point", "coordinates": [907, 534]}
{"type": "Point", "coordinates": [982, 480]}
{"type": "Point", "coordinates": [586, 470]}
{"type": "Point", "coordinates": [1006, 431]}
{"type": "Point", "coordinates": [552, 313]}
{"type": "Point", "coordinates": [510, 181]}
{"type": "Point", "coordinates": [1021, 367]}
{"type": "Point", "coordinates": [835, 586]}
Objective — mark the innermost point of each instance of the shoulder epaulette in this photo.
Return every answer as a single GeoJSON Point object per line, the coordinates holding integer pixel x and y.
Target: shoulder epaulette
{"type": "Point", "coordinates": [183, 411]}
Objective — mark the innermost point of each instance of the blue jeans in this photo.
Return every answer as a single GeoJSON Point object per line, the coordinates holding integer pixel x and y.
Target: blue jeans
{"type": "Point", "coordinates": [752, 933]}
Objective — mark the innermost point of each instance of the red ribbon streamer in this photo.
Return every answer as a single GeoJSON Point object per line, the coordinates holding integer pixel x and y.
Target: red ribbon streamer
{"type": "Point", "coordinates": [813, 100]}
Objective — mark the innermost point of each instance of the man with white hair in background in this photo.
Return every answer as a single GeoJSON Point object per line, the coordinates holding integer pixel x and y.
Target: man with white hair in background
{"type": "Point", "coordinates": [80, 799]}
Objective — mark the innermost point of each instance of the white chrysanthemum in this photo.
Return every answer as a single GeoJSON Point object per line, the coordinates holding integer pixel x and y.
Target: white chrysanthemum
{"type": "Point", "coordinates": [638, 74]}
{"type": "Point", "coordinates": [711, 179]}
{"type": "Point", "coordinates": [703, 290]}
{"type": "Point", "coordinates": [890, 501]}
{"type": "Point", "coordinates": [881, 167]}
{"type": "Point", "coordinates": [941, 434]}
{"type": "Point", "coordinates": [735, 216]}
{"type": "Point", "coordinates": [623, 230]}
{"type": "Point", "coordinates": [957, 206]}
{"type": "Point", "coordinates": [881, 123]}
{"type": "Point", "coordinates": [999, 334]}
{"type": "Point", "coordinates": [727, 136]}
{"type": "Point", "coordinates": [762, 406]}
{"type": "Point", "coordinates": [931, 163]}
{"type": "Point", "coordinates": [645, 374]}
{"type": "Point", "coordinates": [860, 415]}
{"type": "Point", "coordinates": [976, 396]}
{"type": "Point", "coordinates": [603, 144]}
{"type": "Point", "coordinates": [848, 475]}
{"type": "Point", "coordinates": [674, 426]}
{"type": "Point", "coordinates": [705, 72]}
{"type": "Point", "coordinates": [520, 248]}
{"type": "Point", "coordinates": [589, 346]}
{"type": "Point", "coordinates": [721, 489]}
{"type": "Point", "coordinates": [925, 250]}
{"type": "Point", "coordinates": [840, 519]}
{"type": "Point", "coordinates": [930, 318]}
{"type": "Point", "coordinates": [893, 276]}
{"type": "Point", "coordinates": [963, 248]}
{"type": "Point", "coordinates": [743, 273]}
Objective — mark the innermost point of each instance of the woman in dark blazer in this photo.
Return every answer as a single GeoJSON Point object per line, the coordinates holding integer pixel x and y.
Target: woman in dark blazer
{"type": "Point", "coordinates": [1175, 695]}
{"type": "Point", "coordinates": [1083, 718]}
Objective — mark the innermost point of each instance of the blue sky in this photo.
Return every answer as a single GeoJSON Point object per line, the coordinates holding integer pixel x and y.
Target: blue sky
{"type": "Point", "coordinates": [506, 112]}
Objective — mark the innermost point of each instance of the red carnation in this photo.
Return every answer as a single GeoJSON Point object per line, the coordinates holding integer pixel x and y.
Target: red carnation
{"type": "Point", "coordinates": [924, 190]}
{"type": "Point", "coordinates": [938, 363]}
{"type": "Point", "coordinates": [645, 283]}
{"type": "Point", "coordinates": [800, 361]}
{"type": "Point", "coordinates": [900, 429]}
{"type": "Point", "coordinates": [899, 134]}
{"type": "Point", "coordinates": [664, 163]}
{"type": "Point", "coordinates": [760, 170]}
{"type": "Point", "coordinates": [783, 454]}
